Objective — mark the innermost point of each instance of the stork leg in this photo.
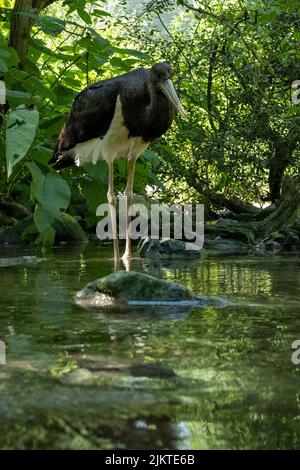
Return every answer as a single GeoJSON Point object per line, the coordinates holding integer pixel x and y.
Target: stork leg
{"type": "Point", "coordinates": [111, 198]}
{"type": "Point", "coordinates": [129, 197]}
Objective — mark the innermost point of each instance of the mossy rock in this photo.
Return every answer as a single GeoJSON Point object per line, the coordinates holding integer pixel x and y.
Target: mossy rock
{"type": "Point", "coordinates": [68, 229]}
{"type": "Point", "coordinates": [125, 287]}
{"type": "Point", "coordinates": [166, 248]}
{"type": "Point", "coordinates": [14, 235]}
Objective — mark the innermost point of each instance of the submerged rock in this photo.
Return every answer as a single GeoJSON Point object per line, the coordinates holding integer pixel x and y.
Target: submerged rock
{"type": "Point", "coordinates": [126, 287]}
{"type": "Point", "coordinates": [137, 289]}
{"type": "Point", "coordinates": [20, 261]}
{"type": "Point", "coordinates": [13, 235]}
{"type": "Point", "coordinates": [226, 246]}
{"type": "Point", "coordinates": [165, 248]}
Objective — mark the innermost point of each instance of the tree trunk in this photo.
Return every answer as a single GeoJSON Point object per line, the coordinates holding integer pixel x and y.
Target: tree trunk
{"type": "Point", "coordinates": [234, 204]}
{"type": "Point", "coordinates": [20, 29]}
{"type": "Point", "coordinates": [288, 212]}
{"type": "Point", "coordinates": [21, 25]}
{"type": "Point", "coordinates": [283, 223]}
{"type": "Point", "coordinates": [277, 167]}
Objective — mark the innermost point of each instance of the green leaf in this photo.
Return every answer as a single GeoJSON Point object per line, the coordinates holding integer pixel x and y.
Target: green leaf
{"type": "Point", "coordinates": [8, 56]}
{"type": "Point", "coordinates": [64, 95]}
{"type": "Point", "coordinates": [21, 128]}
{"type": "Point", "coordinates": [52, 194]}
{"type": "Point", "coordinates": [46, 238]}
{"type": "Point", "coordinates": [84, 16]}
{"type": "Point", "coordinates": [157, 181]}
{"type": "Point", "coordinates": [50, 190]}
{"type": "Point", "coordinates": [220, 185]}
{"type": "Point", "coordinates": [51, 25]}
{"type": "Point", "coordinates": [53, 125]}
{"type": "Point", "coordinates": [3, 66]}
{"type": "Point", "coordinates": [152, 157]}
{"type": "Point", "coordinates": [43, 219]}
{"type": "Point", "coordinates": [133, 52]}
{"type": "Point", "coordinates": [100, 60]}
{"type": "Point", "coordinates": [41, 47]}
{"type": "Point", "coordinates": [100, 13]}
{"type": "Point", "coordinates": [42, 154]}
{"type": "Point", "coordinates": [17, 94]}
{"type": "Point", "coordinates": [99, 171]}
{"type": "Point", "coordinates": [4, 54]}
{"type": "Point", "coordinates": [101, 42]}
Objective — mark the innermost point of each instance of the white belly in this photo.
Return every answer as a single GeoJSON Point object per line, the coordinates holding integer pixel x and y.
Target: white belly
{"type": "Point", "coordinates": [115, 143]}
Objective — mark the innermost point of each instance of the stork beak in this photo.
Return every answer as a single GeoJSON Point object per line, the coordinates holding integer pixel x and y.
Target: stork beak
{"type": "Point", "coordinates": [169, 90]}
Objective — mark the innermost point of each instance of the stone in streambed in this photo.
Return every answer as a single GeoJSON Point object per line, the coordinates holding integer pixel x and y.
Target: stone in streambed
{"type": "Point", "coordinates": [20, 261]}
{"type": "Point", "coordinates": [68, 229]}
{"type": "Point", "coordinates": [165, 248]}
{"type": "Point", "coordinates": [226, 246]}
{"type": "Point", "coordinates": [128, 287]}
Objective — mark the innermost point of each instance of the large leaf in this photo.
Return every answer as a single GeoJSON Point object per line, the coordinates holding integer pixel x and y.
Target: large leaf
{"type": "Point", "coordinates": [43, 219]}
{"type": "Point", "coordinates": [46, 238]}
{"type": "Point", "coordinates": [97, 12]}
{"type": "Point", "coordinates": [21, 128]}
{"type": "Point", "coordinates": [152, 157]}
{"type": "Point", "coordinates": [8, 56]}
{"type": "Point", "coordinates": [64, 95]}
{"type": "Point", "coordinates": [50, 190]}
{"type": "Point", "coordinates": [52, 194]}
{"type": "Point", "coordinates": [3, 66]}
{"type": "Point", "coordinates": [51, 25]}
{"type": "Point", "coordinates": [17, 94]}
{"type": "Point", "coordinates": [99, 171]}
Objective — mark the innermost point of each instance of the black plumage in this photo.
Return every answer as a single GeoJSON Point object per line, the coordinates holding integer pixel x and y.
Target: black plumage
{"type": "Point", "coordinates": [147, 111]}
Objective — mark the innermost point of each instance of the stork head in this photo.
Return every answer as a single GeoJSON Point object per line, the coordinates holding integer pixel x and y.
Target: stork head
{"type": "Point", "coordinates": [161, 75]}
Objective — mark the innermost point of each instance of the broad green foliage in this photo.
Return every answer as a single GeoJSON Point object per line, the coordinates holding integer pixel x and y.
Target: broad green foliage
{"type": "Point", "coordinates": [234, 65]}
{"type": "Point", "coordinates": [52, 195]}
{"type": "Point", "coordinates": [8, 56]}
{"type": "Point", "coordinates": [72, 44]}
{"type": "Point", "coordinates": [20, 132]}
{"type": "Point", "coordinates": [50, 190]}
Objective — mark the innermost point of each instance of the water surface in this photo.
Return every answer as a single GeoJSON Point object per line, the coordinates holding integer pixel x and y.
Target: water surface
{"type": "Point", "coordinates": [150, 377]}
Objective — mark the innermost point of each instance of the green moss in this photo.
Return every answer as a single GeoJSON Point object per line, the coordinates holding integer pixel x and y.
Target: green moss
{"type": "Point", "coordinates": [133, 285]}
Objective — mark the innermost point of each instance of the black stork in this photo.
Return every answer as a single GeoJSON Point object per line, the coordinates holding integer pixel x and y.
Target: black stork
{"type": "Point", "coordinates": [118, 118]}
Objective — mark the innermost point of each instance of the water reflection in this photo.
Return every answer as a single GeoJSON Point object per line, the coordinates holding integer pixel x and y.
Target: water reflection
{"type": "Point", "coordinates": [149, 377]}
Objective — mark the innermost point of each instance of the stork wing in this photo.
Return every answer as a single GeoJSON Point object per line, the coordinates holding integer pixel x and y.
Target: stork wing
{"type": "Point", "coordinates": [90, 117]}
